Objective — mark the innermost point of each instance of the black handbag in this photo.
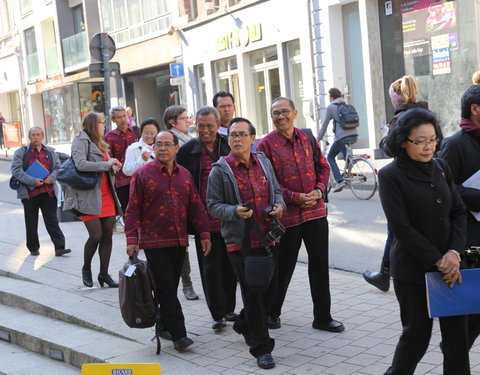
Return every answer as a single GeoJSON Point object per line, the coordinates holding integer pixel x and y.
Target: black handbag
{"type": "Point", "coordinates": [69, 175]}
{"type": "Point", "coordinates": [258, 269]}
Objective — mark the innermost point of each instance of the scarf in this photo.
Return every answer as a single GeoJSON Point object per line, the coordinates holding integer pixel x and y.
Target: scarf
{"type": "Point", "coordinates": [145, 146]}
{"type": "Point", "coordinates": [469, 127]}
{"type": "Point", "coordinates": [183, 138]}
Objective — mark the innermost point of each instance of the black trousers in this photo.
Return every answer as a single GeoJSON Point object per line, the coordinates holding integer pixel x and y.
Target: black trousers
{"type": "Point", "coordinates": [218, 279]}
{"type": "Point", "coordinates": [473, 328]}
{"type": "Point", "coordinates": [48, 205]}
{"type": "Point", "coordinates": [314, 233]}
{"type": "Point", "coordinates": [417, 329]}
{"type": "Point", "coordinates": [166, 266]}
{"type": "Point", "coordinates": [123, 194]}
{"type": "Point", "coordinates": [252, 320]}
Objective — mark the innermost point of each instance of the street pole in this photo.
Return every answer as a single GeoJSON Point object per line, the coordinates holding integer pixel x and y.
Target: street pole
{"type": "Point", "coordinates": [106, 80]}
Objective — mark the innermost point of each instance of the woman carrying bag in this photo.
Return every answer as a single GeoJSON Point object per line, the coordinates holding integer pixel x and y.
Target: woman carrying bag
{"type": "Point", "coordinates": [96, 207]}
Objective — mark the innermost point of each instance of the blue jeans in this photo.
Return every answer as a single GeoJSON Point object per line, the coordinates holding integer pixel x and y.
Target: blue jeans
{"type": "Point", "coordinates": [339, 147]}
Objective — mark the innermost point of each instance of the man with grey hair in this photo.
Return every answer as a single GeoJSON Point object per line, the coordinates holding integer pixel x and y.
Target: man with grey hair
{"type": "Point", "coordinates": [218, 279]}
{"type": "Point", "coordinates": [37, 191]}
{"type": "Point", "coordinates": [119, 139]}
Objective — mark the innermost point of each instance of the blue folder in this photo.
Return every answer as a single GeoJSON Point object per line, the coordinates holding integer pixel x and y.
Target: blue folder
{"type": "Point", "coordinates": [37, 170]}
{"type": "Point", "coordinates": [462, 299]}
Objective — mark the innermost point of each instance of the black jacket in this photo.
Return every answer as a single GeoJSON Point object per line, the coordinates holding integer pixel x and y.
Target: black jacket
{"type": "Point", "coordinates": [426, 215]}
{"type": "Point", "coordinates": [462, 153]}
{"type": "Point", "coordinates": [190, 156]}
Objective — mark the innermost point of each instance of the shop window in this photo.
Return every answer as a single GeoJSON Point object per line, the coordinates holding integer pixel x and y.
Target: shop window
{"type": "Point", "coordinates": [295, 76]}
{"type": "Point", "coordinates": [226, 79]}
{"type": "Point", "coordinates": [201, 92]}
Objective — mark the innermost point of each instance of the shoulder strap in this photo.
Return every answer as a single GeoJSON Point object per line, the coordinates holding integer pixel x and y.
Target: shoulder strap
{"type": "Point", "coordinates": [26, 158]}
{"type": "Point", "coordinates": [316, 158]}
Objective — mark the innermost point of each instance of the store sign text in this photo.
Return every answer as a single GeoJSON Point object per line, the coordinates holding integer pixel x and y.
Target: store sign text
{"type": "Point", "coordinates": [240, 37]}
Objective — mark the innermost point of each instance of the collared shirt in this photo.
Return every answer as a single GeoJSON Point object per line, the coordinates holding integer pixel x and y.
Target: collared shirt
{"type": "Point", "coordinates": [292, 160]}
{"type": "Point", "coordinates": [159, 206]}
{"type": "Point", "coordinates": [119, 142]}
{"type": "Point", "coordinates": [207, 159]}
{"type": "Point", "coordinates": [253, 187]}
{"type": "Point", "coordinates": [42, 157]}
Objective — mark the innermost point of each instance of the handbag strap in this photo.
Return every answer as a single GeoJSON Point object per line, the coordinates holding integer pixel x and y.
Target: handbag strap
{"type": "Point", "coordinates": [249, 223]}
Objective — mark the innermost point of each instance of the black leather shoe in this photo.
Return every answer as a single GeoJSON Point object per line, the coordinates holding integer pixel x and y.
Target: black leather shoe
{"type": "Point", "coordinates": [266, 361]}
{"type": "Point", "coordinates": [381, 279]}
{"type": "Point", "coordinates": [87, 277]}
{"type": "Point", "coordinates": [60, 252]}
{"type": "Point", "coordinates": [107, 279]}
{"type": "Point", "coordinates": [220, 323]}
{"type": "Point", "coordinates": [332, 326]}
{"type": "Point", "coordinates": [35, 253]}
{"type": "Point", "coordinates": [273, 323]}
{"type": "Point", "coordinates": [182, 343]}
{"type": "Point", "coordinates": [231, 317]}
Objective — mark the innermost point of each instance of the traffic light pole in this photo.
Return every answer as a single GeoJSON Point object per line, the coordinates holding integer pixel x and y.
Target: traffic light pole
{"type": "Point", "coordinates": [106, 81]}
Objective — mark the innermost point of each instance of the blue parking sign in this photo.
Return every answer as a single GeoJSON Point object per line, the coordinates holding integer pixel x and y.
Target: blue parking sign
{"type": "Point", "coordinates": [176, 70]}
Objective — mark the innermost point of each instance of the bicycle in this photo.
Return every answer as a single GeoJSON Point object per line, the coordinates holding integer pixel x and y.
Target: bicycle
{"type": "Point", "coordinates": [358, 173]}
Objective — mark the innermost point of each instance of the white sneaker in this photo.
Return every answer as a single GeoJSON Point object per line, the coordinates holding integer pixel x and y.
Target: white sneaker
{"type": "Point", "coordinates": [338, 187]}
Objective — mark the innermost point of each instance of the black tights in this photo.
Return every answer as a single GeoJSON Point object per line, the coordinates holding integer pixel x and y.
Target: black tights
{"type": "Point", "coordinates": [100, 233]}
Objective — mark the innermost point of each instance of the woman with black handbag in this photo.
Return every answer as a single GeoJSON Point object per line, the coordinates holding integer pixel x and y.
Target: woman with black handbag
{"type": "Point", "coordinates": [244, 193]}
{"type": "Point", "coordinates": [97, 207]}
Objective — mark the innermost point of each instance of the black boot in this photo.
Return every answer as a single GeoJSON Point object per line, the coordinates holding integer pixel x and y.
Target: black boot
{"type": "Point", "coordinates": [381, 279]}
{"type": "Point", "coordinates": [107, 279]}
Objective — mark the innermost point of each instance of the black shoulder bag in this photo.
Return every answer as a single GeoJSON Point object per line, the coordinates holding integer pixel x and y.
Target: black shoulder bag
{"type": "Point", "coordinates": [69, 175]}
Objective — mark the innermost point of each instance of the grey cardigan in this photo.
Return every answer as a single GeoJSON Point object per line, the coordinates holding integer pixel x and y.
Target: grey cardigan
{"type": "Point", "coordinates": [88, 202]}
{"type": "Point", "coordinates": [25, 178]}
{"type": "Point", "coordinates": [223, 196]}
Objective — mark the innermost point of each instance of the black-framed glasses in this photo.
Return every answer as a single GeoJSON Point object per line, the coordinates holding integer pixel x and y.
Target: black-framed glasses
{"type": "Point", "coordinates": [284, 112]}
{"type": "Point", "coordinates": [433, 142]}
{"type": "Point", "coordinates": [239, 135]}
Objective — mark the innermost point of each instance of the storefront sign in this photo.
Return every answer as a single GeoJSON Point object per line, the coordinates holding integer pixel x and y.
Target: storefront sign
{"type": "Point", "coordinates": [240, 37]}
{"type": "Point", "coordinates": [49, 83]}
{"type": "Point", "coordinates": [441, 54]}
{"type": "Point", "coordinates": [11, 134]}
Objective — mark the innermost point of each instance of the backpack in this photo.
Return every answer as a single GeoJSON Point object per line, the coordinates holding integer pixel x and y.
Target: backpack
{"type": "Point", "coordinates": [138, 302]}
{"type": "Point", "coordinates": [347, 116]}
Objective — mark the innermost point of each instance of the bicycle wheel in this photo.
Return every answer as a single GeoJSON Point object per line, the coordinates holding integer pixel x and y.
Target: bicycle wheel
{"type": "Point", "coordinates": [362, 178]}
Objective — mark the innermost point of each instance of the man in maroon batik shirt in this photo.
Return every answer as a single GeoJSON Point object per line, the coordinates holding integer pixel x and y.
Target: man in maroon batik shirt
{"type": "Point", "coordinates": [290, 151]}
{"type": "Point", "coordinates": [163, 196]}
{"type": "Point", "coordinates": [119, 139]}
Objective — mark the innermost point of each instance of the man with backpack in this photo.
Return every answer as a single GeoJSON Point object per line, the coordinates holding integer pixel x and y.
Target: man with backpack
{"type": "Point", "coordinates": [345, 123]}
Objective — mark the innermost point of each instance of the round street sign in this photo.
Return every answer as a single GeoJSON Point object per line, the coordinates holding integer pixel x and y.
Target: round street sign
{"type": "Point", "coordinates": [96, 46]}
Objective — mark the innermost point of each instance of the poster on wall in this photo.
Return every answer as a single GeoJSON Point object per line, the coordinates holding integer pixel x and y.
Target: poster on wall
{"type": "Point", "coordinates": [422, 22]}
{"type": "Point", "coordinates": [441, 54]}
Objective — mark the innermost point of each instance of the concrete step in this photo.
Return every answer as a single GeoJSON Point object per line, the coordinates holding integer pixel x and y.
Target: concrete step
{"type": "Point", "coordinates": [73, 344]}
{"type": "Point", "coordinates": [19, 361]}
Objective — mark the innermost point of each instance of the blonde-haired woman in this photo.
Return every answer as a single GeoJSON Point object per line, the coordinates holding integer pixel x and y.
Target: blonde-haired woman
{"type": "Point", "coordinates": [97, 207]}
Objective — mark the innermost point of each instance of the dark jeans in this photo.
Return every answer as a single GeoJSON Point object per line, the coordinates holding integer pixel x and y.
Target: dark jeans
{"type": "Point", "coordinates": [417, 329]}
{"type": "Point", "coordinates": [123, 194]}
{"type": "Point", "coordinates": [48, 205]}
{"type": "Point", "coordinates": [473, 328]}
{"type": "Point", "coordinates": [166, 264]}
{"type": "Point", "coordinates": [252, 320]}
{"type": "Point", "coordinates": [339, 147]}
{"type": "Point", "coordinates": [218, 279]}
{"type": "Point", "coordinates": [314, 233]}
{"type": "Point", "coordinates": [388, 245]}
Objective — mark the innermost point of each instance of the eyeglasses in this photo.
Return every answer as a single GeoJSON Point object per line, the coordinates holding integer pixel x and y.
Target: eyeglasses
{"type": "Point", "coordinates": [239, 135]}
{"type": "Point", "coordinates": [433, 142]}
{"type": "Point", "coordinates": [166, 145]}
{"type": "Point", "coordinates": [284, 112]}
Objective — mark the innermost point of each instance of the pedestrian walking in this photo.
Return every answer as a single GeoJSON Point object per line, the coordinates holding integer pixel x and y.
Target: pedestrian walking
{"type": "Point", "coordinates": [403, 95]}
{"type": "Point", "coordinates": [236, 180]}
{"type": "Point", "coordinates": [303, 184]}
{"type": "Point", "coordinates": [427, 218]}
{"type": "Point", "coordinates": [461, 151]}
{"type": "Point", "coordinates": [175, 118]}
{"type": "Point", "coordinates": [96, 207]}
{"type": "Point", "coordinates": [163, 198]}
{"type": "Point", "coordinates": [218, 278]}
{"type": "Point", "coordinates": [39, 193]}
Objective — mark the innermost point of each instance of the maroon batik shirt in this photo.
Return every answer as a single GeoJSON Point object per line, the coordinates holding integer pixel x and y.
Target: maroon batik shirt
{"type": "Point", "coordinates": [119, 142]}
{"type": "Point", "coordinates": [292, 160]}
{"type": "Point", "coordinates": [160, 205]}
{"type": "Point", "coordinates": [206, 161]}
{"type": "Point", "coordinates": [42, 157]}
{"type": "Point", "coordinates": [254, 188]}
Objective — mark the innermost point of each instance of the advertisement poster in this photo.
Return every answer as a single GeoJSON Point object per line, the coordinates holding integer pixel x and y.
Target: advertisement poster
{"type": "Point", "coordinates": [441, 54]}
{"type": "Point", "coordinates": [11, 134]}
{"type": "Point", "coordinates": [425, 20]}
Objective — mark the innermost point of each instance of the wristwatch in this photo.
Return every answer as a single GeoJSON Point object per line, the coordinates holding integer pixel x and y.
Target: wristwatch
{"type": "Point", "coordinates": [319, 192]}
{"type": "Point", "coordinates": [457, 253]}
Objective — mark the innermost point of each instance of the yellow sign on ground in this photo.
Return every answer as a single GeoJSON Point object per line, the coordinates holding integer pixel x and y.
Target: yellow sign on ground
{"type": "Point", "coordinates": [121, 369]}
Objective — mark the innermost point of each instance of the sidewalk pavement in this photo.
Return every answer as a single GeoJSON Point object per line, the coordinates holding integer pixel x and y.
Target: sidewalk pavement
{"type": "Point", "coordinates": [371, 317]}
